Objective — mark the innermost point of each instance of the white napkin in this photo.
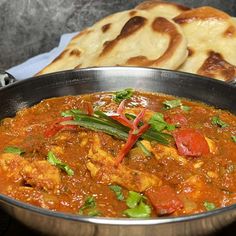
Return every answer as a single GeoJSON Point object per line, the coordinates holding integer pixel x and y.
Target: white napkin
{"type": "Point", "coordinates": [37, 63]}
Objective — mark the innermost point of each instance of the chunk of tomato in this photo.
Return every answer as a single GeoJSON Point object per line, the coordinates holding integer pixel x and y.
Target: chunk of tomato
{"type": "Point", "coordinates": [190, 142]}
{"type": "Point", "coordinates": [176, 119]}
{"type": "Point", "coordinates": [164, 200]}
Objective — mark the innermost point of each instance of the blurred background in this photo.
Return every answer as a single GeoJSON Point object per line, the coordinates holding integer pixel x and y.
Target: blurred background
{"type": "Point", "coordinates": [32, 27]}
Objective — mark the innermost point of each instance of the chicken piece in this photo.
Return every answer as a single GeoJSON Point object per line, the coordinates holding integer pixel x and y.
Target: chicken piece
{"type": "Point", "coordinates": [162, 151]}
{"type": "Point", "coordinates": [12, 164]}
{"type": "Point", "coordinates": [102, 166]}
{"type": "Point", "coordinates": [194, 187]}
{"type": "Point", "coordinates": [42, 175]}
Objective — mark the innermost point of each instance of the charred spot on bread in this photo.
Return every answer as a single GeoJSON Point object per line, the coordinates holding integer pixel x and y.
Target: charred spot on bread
{"type": "Point", "coordinates": [75, 52]}
{"type": "Point", "coordinates": [201, 13]}
{"type": "Point", "coordinates": [190, 52]}
{"type": "Point", "coordinates": [230, 32]}
{"type": "Point", "coordinates": [216, 64]}
{"type": "Point", "coordinates": [106, 27]}
{"type": "Point", "coordinates": [130, 27]}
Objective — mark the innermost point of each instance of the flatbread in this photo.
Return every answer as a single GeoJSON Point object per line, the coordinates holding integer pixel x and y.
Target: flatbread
{"type": "Point", "coordinates": [138, 37]}
{"type": "Point", "coordinates": [168, 10]}
{"type": "Point", "coordinates": [211, 36]}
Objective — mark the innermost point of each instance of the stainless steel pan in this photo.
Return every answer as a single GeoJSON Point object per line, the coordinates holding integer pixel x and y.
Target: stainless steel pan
{"type": "Point", "coordinates": [28, 92]}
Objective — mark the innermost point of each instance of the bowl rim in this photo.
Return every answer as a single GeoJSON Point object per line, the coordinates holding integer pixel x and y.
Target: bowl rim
{"type": "Point", "coordinates": [111, 220]}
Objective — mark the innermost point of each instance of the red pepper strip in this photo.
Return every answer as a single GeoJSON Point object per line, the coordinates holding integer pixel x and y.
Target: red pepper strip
{"type": "Point", "coordinates": [56, 126]}
{"type": "Point", "coordinates": [123, 121]}
{"type": "Point", "coordinates": [138, 118]}
{"type": "Point", "coordinates": [164, 200]}
{"type": "Point", "coordinates": [132, 139]}
{"type": "Point", "coordinates": [190, 142]}
{"type": "Point", "coordinates": [122, 118]}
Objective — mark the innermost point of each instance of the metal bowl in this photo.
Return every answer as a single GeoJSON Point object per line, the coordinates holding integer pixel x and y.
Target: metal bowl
{"type": "Point", "coordinates": [28, 92]}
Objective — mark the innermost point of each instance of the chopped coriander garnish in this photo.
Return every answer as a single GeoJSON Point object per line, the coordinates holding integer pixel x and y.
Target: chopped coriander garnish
{"type": "Point", "coordinates": [14, 150]}
{"type": "Point", "coordinates": [158, 123]}
{"type": "Point", "coordinates": [176, 103]}
{"type": "Point", "coordinates": [123, 94]}
{"type": "Point", "coordinates": [94, 212]}
{"type": "Point", "coordinates": [217, 121]}
{"type": "Point", "coordinates": [233, 138]}
{"type": "Point", "coordinates": [185, 108]}
{"type": "Point", "coordinates": [89, 204]}
{"type": "Point", "coordinates": [133, 199]}
{"type": "Point", "coordinates": [172, 103]}
{"type": "Point", "coordinates": [52, 159]}
{"type": "Point", "coordinates": [141, 211]}
{"type": "Point", "coordinates": [118, 191]}
{"type": "Point", "coordinates": [209, 206]}
{"type": "Point", "coordinates": [137, 207]}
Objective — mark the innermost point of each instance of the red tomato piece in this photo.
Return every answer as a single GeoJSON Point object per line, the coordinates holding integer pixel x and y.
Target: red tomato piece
{"type": "Point", "coordinates": [190, 142]}
{"type": "Point", "coordinates": [176, 119]}
{"type": "Point", "coordinates": [164, 200]}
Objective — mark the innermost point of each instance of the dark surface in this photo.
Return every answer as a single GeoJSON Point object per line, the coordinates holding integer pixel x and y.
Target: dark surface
{"type": "Point", "coordinates": [21, 94]}
{"type": "Point", "coordinates": [29, 28]}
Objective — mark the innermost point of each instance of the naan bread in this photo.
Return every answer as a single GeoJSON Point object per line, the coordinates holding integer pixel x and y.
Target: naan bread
{"type": "Point", "coordinates": [165, 9]}
{"type": "Point", "coordinates": [211, 36]}
{"type": "Point", "coordinates": [139, 37]}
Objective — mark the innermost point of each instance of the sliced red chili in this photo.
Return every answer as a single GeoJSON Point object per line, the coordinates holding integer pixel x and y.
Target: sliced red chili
{"type": "Point", "coordinates": [133, 137]}
{"type": "Point", "coordinates": [190, 142]}
{"type": "Point", "coordinates": [56, 127]}
{"type": "Point", "coordinates": [121, 116]}
{"type": "Point", "coordinates": [164, 200]}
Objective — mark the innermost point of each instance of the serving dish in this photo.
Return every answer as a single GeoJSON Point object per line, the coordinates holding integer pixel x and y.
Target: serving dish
{"type": "Point", "coordinates": [28, 92]}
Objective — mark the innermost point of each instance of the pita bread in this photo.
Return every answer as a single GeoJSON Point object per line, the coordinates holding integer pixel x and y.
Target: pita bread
{"type": "Point", "coordinates": [211, 36]}
{"type": "Point", "coordinates": [130, 38]}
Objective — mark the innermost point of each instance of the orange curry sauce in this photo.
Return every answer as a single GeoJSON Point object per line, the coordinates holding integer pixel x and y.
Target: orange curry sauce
{"type": "Point", "coordinates": [171, 181]}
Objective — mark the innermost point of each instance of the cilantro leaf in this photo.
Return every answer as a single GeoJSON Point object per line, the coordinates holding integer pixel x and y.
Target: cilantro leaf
{"type": "Point", "coordinates": [123, 94]}
{"type": "Point", "coordinates": [133, 199]}
{"type": "Point", "coordinates": [118, 191]}
{"type": "Point", "coordinates": [137, 207]}
{"type": "Point", "coordinates": [52, 159]}
{"type": "Point", "coordinates": [94, 212]}
{"type": "Point", "coordinates": [172, 103]}
{"type": "Point", "coordinates": [14, 150]}
{"type": "Point", "coordinates": [158, 123]}
{"type": "Point", "coordinates": [209, 206]}
{"type": "Point", "coordinates": [217, 121]}
{"type": "Point", "coordinates": [90, 205]}
{"type": "Point", "coordinates": [176, 103]}
{"type": "Point", "coordinates": [185, 108]}
{"type": "Point", "coordinates": [140, 211]}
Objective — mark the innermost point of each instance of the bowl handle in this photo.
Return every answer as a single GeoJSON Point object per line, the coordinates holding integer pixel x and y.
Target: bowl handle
{"type": "Point", "coordinates": [6, 78]}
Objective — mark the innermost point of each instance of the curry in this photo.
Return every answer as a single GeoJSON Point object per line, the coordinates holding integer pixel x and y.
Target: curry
{"type": "Point", "coordinates": [120, 154]}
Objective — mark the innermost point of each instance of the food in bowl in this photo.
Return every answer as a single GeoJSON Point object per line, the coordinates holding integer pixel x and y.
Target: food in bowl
{"type": "Point", "coordinates": [120, 154]}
